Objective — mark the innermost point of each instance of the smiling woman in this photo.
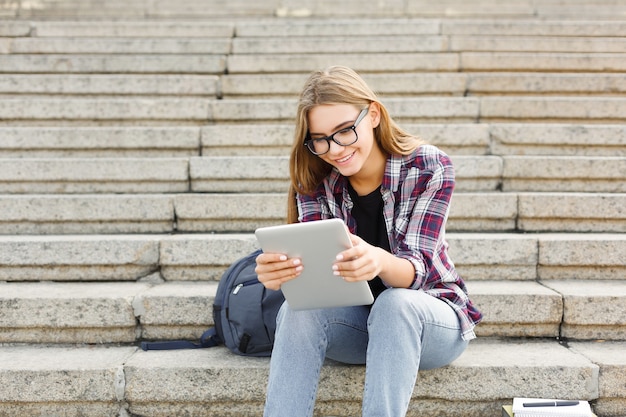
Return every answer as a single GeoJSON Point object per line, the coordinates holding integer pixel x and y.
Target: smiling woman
{"type": "Point", "coordinates": [345, 136]}
{"type": "Point", "coordinates": [326, 92]}
{"type": "Point", "coordinates": [354, 157]}
{"type": "Point", "coordinates": [350, 160]}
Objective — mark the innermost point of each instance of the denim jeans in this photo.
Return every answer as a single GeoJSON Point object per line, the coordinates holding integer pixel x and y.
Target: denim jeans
{"type": "Point", "coordinates": [405, 331]}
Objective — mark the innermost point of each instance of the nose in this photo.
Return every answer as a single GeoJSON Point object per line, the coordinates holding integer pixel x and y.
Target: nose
{"type": "Point", "coordinates": [334, 148]}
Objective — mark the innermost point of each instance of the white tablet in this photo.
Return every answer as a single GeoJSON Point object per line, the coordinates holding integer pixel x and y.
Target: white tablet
{"type": "Point", "coordinates": [317, 243]}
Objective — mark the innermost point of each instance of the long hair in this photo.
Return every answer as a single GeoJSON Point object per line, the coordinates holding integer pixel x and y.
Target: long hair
{"type": "Point", "coordinates": [336, 85]}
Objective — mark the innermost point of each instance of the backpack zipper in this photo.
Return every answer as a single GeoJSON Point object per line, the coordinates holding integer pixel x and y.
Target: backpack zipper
{"type": "Point", "coordinates": [244, 284]}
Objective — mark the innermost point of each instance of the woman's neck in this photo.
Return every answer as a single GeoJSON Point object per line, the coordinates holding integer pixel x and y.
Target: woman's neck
{"type": "Point", "coordinates": [370, 177]}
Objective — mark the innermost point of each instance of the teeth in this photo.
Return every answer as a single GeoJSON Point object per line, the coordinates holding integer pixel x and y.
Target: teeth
{"type": "Point", "coordinates": [344, 159]}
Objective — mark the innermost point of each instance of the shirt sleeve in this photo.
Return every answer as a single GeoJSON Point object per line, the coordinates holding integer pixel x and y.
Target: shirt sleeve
{"type": "Point", "coordinates": [310, 208]}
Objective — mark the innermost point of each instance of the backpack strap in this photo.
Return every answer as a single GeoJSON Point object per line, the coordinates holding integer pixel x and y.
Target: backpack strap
{"type": "Point", "coordinates": [208, 339]}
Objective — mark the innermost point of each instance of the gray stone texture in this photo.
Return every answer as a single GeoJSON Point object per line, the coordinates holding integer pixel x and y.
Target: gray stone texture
{"type": "Point", "coordinates": [68, 312]}
{"type": "Point", "coordinates": [229, 212]}
{"type": "Point", "coordinates": [99, 142]}
{"type": "Point", "coordinates": [94, 175]}
{"type": "Point", "coordinates": [68, 214]}
{"type": "Point", "coordinates": [592, 309]}
{"type": "Point", "coordinates": [572, 174]}
{"type": "Point", "coordinates": [99, 84]}
{"type": "Point", "coordinates": [612, 386]}
{"type": "Point", "coordinates": [517, 308]}
{"type": "Point", "coordinates": [175, 310]}
{"type": "Point", "coordinates": [113, 63]}
{"type": "Point", "coordinates": [193, 258]}
{"type": "Point", "coordinates": [104, 109]}
{"type": "Point", "coordinates": [73, 258]}
{"type": "Point", "coordinates": [34, 374]}
{"type": "Point", "coordinates": [135, 29]}
{"type": "Point", "coordinates": [139, 151]}
{"type": "Point", "coordinates": [582, 256]}
{"type": "Point", "coordinates": [494, 256]}
{"type": "Point", "coordinates": [213, 381]}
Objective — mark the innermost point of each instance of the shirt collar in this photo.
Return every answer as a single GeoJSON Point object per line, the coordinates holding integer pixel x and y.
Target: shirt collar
{"type": "Point", "coordinates": [392, 172]}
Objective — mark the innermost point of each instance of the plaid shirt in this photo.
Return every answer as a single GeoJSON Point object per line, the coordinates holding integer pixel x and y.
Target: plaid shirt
{"type": "Point", "coordinates": [416, 192]}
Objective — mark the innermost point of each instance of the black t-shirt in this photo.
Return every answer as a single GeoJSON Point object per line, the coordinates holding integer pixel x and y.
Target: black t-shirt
{"type": "Point", "coordinates": [368, 213]}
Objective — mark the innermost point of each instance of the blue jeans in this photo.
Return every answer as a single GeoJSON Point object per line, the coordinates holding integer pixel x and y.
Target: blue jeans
{"type": "Point", "coordinates": [406, 330]}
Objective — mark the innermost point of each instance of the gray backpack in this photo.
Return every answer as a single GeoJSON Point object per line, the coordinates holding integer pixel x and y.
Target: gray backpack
{"type": "Point", "coordinates": [244, 313]}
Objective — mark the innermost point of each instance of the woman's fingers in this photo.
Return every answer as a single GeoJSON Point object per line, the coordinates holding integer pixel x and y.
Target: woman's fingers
{"type": "Point", "coordinates": [275, 269]}
{"type": "Point", "coordinates": [357, 263]}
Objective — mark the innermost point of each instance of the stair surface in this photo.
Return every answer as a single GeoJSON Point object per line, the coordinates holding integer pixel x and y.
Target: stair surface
{"type": "Point", "coordinates": [143, 142]}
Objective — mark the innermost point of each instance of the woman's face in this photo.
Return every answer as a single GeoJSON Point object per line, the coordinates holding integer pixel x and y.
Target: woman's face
{"type": "Point", "coordinates": [326, 119]}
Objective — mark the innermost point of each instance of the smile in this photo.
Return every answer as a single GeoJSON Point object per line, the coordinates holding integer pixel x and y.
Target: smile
{"type": "Point", "coordinates": [344, 159]}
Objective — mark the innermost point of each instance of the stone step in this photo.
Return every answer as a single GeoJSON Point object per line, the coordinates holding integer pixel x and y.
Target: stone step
{"type": "Point", "coordinates": [602, 174]}
{"type": "Point", "coordinates": [113, 63]}
{"type": "Point", "coordinates": [528, 173]}
{"type": "Point", "coordinates": [100, 142]}
{"type": "Point", "coordinates": [557, 139]}
{"type": "Point", "coordinates": [369, 44]}
{"type": "Point", "coordinates": [552, 108]}
{"type": "Point", "coordinates": [119, 175]}
{"type": "Point", "coordinates": [211, 382]}
{"type": "Point", "coordinates": [607, 9]}
{"type": "Point", "coordinates": [109, 85]}
{"type": "Point", "coordinates": [214, 28]}
{"type": "Point", "coordinates": [205, 256]}
{"type": "Point", "coordinates": [141, 9]}
{"type": "Point", "coordinates": [57, 109]}
{"type": "Point", "coordinates": [268, 85]}
{"type": "Point", "coordinates": [402, 26]}
{"type": "Point", "coordinates": [405, 109]}
{"type": "Point", "coordinates": [454, 8]}
{"type": "Point", "coordinates": [249, 139]}
{"type": "Point", "coordinates": [104, 313]}
{"type": "Point", "coordinates": [426, 83]}
{"type": "Point", "coordinates": [319, 27]}
{"type": "Point", "coordinates": [131, 312]}
{"type": "Point", "coordinates": [304, 63]}
{"type": "Point", "coordinates": [431, 62]}
{"type": "Point", "coordinates": [313, 44]}
{"type": "Point", "coordinates": [328, 26]}
{"type": "Point", "coordinates": [232, 213]}
{"type": "Point", "coordinates": [134, 45]}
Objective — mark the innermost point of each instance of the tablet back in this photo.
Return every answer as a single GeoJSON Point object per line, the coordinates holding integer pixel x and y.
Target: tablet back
{"type": "Point", "coordinates": [317, 244]}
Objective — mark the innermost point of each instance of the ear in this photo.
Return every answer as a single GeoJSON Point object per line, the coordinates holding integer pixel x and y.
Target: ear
{"type": "Point", "coordinates": [374, 114]}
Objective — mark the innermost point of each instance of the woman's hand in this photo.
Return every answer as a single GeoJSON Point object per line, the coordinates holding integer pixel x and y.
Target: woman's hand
{"type": "Point", "coordinates": [362, 262]}
{"type": "Point", "coordinates": [274, 269]}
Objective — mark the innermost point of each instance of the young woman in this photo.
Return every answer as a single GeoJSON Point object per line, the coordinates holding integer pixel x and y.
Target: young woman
{"type": "Point", "coordinates": [351, 161]}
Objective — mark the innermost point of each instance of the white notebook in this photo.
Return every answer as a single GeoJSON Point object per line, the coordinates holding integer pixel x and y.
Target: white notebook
{"type": "Point", "coordinates": [582, 409]}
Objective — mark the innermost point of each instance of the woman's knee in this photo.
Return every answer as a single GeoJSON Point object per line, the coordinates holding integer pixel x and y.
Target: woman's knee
{"type": "Point", "coordinates": [414, 306]}
{"type": "Point", "coordinates": [398, 300]}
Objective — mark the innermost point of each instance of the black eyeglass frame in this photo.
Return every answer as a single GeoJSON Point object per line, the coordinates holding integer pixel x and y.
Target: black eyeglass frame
{"type": "Point", "coordinates": [332, 136]}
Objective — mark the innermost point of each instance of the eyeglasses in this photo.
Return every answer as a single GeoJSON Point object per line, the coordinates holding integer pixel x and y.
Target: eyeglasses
{"type": "Point", "coordinates": [344, 137]}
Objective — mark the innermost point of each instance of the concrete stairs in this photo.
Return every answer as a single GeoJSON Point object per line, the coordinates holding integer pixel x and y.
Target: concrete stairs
{"type": "Point", "coordinates": [142, 142]}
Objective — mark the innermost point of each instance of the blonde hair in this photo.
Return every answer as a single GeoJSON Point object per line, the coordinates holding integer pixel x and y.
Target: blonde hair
{"type": "Point", "coordinates": [336, 85]}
